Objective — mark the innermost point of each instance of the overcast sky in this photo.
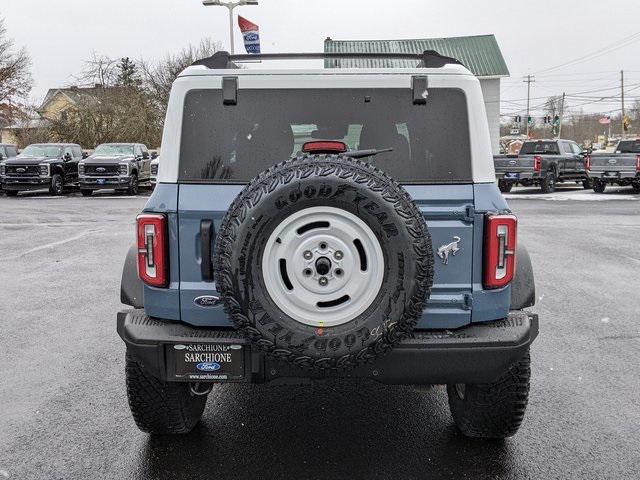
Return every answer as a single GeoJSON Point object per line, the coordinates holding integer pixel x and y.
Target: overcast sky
{"type": "Point", "coordinates": [534, 35]}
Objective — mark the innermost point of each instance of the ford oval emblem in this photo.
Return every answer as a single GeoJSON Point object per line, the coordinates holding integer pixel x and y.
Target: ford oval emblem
{"type": "Point", "coordinates": [20, 170]}
{"type": "Point", "coordinates": [208, 366]}
{"type": "Point", "coordinates": [512, 162]}
{"type": "Point", "coordinates": [101, 169]}
{"type": "Point", "coordinates": [613, 161]}
{"type": "Point", "coordinates": [207, 301]}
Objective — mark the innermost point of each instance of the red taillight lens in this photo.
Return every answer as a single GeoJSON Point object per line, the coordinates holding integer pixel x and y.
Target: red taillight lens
{"type": "Point", "coordinates": [587, 162]}
{"type": "Point", "coordinates": [324, 146]}
{"type": "Point", "coordinates": [499, 250]}
{"type": "Point", "coordinates": [637, 163]}
{"type": "Point", "coordinates": [537, 163]}
{"type": "Point", "coordinates": [152, 249]}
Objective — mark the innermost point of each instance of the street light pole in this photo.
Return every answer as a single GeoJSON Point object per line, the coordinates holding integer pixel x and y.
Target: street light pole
{"type": "Point", "coordinates": [230, 6]}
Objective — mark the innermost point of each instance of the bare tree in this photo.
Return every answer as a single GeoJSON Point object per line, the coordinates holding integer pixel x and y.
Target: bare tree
{"type": "Point", "coordinates": [15, 76]}
{"type": "Point", "coordinates": [98, 70]}
{"type": "Point", "coordinates": [159, 76]}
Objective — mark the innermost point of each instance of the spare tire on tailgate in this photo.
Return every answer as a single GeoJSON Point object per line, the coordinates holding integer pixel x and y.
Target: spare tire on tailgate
{"type": "Point", "coordinates": [324, 261]}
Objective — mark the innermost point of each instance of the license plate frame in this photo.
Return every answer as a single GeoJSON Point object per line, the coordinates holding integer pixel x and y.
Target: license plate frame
{"type": "Point", "coordinates": [202, 362]}
{"type": "Point", "coordinates": [101, 181]}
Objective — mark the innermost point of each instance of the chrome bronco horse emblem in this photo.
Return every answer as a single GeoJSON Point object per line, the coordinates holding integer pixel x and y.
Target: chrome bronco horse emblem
{"type": "Point", "coordinates": [450, 249]}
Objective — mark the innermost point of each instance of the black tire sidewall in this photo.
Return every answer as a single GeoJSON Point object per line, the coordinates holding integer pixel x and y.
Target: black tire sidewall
{"type": "Point", "coordinates": [54, 181]}
{"type": "Point", "coordinates": [408, 262]}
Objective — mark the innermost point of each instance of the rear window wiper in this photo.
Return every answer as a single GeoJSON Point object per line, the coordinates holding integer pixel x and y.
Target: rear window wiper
{"type": "Point", "coordinates": [366, 153]}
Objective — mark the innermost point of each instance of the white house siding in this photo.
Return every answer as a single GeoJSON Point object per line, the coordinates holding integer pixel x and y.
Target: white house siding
{"type": "Point", "coordinates": [491, 92]}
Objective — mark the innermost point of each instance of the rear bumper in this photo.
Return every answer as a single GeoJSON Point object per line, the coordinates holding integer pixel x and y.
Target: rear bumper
{"type": "Point", "coordinates": [615, 176]}
{"type": "Point", "coordinates": [517, 176]}
{"type": "Point", "coordinates": [478, 353]}
{"type": "Point", "coordinates": [25, 183]}
{"type": "Point", "coordinates": [89, 183]}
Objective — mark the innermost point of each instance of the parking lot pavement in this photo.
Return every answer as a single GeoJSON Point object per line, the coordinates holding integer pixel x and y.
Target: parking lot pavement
{"type": "Point", "coordinates": [65, 413]}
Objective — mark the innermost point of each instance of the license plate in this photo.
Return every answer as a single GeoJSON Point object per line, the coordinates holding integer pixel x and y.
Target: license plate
{"type": "Point", "coordinates": [100, 181]}
{"type": "Point", "coordinates": [511, 175]}
{"type": "Point", "coordinates": [207, 361]}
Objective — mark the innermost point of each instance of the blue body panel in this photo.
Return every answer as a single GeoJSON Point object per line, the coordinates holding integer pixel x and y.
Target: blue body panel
{"type": "Point", "coordinates": [457, 297]}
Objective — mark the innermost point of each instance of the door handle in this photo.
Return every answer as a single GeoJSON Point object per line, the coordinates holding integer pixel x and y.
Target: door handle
{"type": "Point", "coordinates": [206, 235]}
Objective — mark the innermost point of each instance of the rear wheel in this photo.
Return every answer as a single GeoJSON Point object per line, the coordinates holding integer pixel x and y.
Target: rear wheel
{"type": "Point", "coordinates": [492, 410]}
{"type": "Point", "coordinates": [587, 184]}
{"type": "Point", "coordinates": [548, 184]}
{"type": "Point", "coordinates": [57, 184]}
{"type": "Point", "coordinates": [599, 186]}
{"type": "Point", "coordinates": [636, 187]}
{"type": "Point", "coordinates": [505, 187]}
{"type": "Point", "coordinates": [86, 193]}
{"type": "Point", "coordinates": [161, 407]}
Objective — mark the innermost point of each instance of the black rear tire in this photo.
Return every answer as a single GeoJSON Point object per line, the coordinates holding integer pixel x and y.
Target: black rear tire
{"type": "Point", "coordinates": [159, 407]}
{"type": "Point", "coordinates": [57, 185]}
{"type": "Point", "coordinates": [587, 184]}
{"type": "Point", "coordinates": [548, 183]}
{"type": "Point", "coordinates": [599, 186]}
{"type": "Point", "coordinates": [86, 193]}
{"type": "Point", "coordinates": [493, 410]}
{"type": "Point", "coordinates": [11, 193]}
{"type": "Point", "coordinates": [636, 187]}
{"type": "Point", "coordinates": [505, 187]}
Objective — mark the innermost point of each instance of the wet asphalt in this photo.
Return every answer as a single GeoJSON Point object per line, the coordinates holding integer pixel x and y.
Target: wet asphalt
{"type": "Point", "coordinates": [64, 413]}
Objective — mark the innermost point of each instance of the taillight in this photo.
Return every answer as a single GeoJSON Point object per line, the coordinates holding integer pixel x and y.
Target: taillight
{"type": "Point", "coordinates": [324, 146]}
{"type": "Point", "coordinates": [537, 163]}
{"type": "Point", "coordinates": [587, 162]}
{"type": "Point", "coordinates": [638, 163]}
{"type": "Point", "coordinates": [152, 249]}
{"type": "Point", "coordinates": [499, 250]}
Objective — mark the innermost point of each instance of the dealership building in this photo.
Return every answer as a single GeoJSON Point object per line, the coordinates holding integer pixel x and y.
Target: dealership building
{"type": "Point", "coordinates": [480, 54]}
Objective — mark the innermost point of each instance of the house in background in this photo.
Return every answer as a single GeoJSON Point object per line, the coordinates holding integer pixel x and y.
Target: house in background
{"type": "Point", "coordinates": [480, 54]}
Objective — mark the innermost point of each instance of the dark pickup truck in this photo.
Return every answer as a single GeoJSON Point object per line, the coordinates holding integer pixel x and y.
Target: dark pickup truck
{"type": "Point", "coordinates": [544, 163]}
{"type": "Point", "coordinates": [45, 165]}
{"type": "Point", "coordinates": [619, 168]}
{"type": "Point", "coordinates": [119, 166]}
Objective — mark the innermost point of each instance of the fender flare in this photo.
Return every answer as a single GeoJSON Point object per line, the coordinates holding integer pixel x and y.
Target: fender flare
{"type": "Point", "coordinates": [523, 288]}
{"type": "Point", "coordinates": [131, 285]}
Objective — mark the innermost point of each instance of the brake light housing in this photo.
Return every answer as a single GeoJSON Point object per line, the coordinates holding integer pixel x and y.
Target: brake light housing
{"type": "Point", "coordinates": [638, 163]}
{"type": "Point", "coordinates": [324, 146]}
{"type": "Point", "coordinates": [153, 265]}
{"type": "Point", "coordinates": [537, 163]}
{"type": "Point", "coordinates": [500, 238]}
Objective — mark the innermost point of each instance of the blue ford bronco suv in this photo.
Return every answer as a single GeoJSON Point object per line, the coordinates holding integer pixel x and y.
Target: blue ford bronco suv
{"type": "Point", "coordinates": [323, 223]}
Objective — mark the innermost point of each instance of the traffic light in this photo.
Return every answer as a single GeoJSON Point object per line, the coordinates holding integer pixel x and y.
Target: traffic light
{"type": "Point", "coordinates": [530, 120]}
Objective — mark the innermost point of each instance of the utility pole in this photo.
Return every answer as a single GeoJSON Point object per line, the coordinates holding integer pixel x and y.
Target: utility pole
{"type": "Point", "coordinates": [564, 95]}
{"type": "Point", "coordinates": [529, 80]}
{"type": "Point", "coordinates": [230, 6]}
{"type": "Point", "coordinates": [622, 89]}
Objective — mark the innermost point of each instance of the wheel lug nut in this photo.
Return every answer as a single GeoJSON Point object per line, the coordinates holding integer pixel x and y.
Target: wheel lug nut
{"type": "Point", "coordinates": [323, 281]}
{"type": "Point", "coordinates": [338, 255]}
{"type": "Point", "coordinates": [307, 255]}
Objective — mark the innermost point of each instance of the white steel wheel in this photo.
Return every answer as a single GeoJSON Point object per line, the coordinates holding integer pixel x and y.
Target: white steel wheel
{"type": "Point", "coordinates": [323, 266]}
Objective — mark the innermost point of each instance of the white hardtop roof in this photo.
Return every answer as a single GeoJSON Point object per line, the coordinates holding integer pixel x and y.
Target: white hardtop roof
{"type": "Point", "coordinates": [201, 70]}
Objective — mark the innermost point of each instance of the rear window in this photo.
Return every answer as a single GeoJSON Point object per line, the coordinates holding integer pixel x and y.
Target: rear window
{"type": "Point", "coordinates": [628, 146]}
{"type": "Point", "coordinates": [541, 148]}
{"type": "Point", "coordinates": [233, 143]}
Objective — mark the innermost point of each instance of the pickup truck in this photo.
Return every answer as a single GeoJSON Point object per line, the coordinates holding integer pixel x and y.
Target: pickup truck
{"type": "Point", "coordinates": [44, 165]}
{"type": "Point", "coordinates": [543, 163]}
{"type": "Point", "coordinates": [620, 168]}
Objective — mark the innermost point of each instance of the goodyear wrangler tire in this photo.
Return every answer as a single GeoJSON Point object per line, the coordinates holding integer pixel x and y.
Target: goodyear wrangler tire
{"type": "Point", "coordinates": [324, 262]}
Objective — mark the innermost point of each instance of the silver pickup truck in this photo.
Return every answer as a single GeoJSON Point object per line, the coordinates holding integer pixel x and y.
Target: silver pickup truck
{"type": "Point", "coordinates": [619, 168]}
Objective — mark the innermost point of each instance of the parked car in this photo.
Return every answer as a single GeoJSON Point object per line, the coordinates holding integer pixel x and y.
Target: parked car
{"type": "Point", "coordinates": [619, 168]}
{"type": "Point", "coordinates": [43, 165]}
{"type": "Point", "coordinates": [7, 151]}
{"type": "Point", "coordinates": [309, 226]}
{"type": "Point", "coordinates": [544, 163]}
{"type": "Point", "coordinates": [119, 166]}
{"type": "Point", "coordinates": [154, 170]}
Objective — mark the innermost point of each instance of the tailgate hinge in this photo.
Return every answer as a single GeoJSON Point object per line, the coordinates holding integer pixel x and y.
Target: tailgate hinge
{"type": "Point", "coordinates": [469, 213]}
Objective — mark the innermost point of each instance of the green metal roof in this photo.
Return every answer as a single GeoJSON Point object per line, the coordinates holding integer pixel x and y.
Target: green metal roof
{"type": "Point", "coordinates": [480, 54]}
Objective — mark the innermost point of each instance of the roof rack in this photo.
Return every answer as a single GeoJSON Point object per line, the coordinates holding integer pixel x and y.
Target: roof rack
{"type": "Point", "coordinates": [426, 59]}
